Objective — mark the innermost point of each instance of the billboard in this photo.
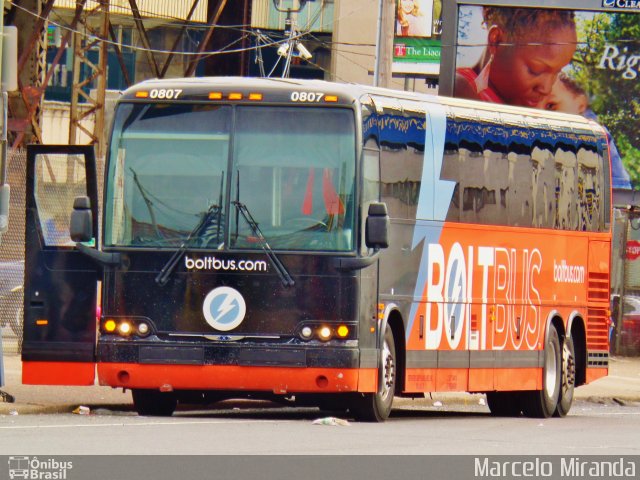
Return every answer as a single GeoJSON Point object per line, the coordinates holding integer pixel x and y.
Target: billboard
{"type": "Point", "coordinates": [416, 38]}
{"type": "Point", "coordinates": [578, 61]}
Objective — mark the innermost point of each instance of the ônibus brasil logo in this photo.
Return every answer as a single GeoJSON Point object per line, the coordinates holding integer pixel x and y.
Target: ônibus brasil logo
{"type": "Point", "coordinates": [40, 469]}
{"type": "Point", "coordinates": [224, 308]}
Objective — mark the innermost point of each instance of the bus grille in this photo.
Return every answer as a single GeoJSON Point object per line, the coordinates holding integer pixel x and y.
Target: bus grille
{"type": "Point", "coordinates": [597, 329]}
{"type": "Point", "coordinates": [597, 312]}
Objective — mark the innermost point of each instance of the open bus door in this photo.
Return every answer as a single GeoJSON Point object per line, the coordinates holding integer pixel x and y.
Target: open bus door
{"type": "Point", "coordinates": [60, 290]}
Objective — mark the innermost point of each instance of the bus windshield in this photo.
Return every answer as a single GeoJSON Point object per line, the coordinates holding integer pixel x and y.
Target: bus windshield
{"type": "Point", "coordinates": [292, 168]}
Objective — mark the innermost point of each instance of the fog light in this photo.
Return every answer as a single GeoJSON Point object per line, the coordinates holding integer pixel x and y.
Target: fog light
{"type": "Point", "coordinates": [110, 326]}
{"type": "Point", "coordinates": [306, 332]}
{"type": "Point", "coordinates": [324, 333]}
{"type": "Point", "coordinates": [143, 329]}
{"type": "Point", "coordinates": [124, 328]}
{"type": "Point", "coordinates": [343, 331]}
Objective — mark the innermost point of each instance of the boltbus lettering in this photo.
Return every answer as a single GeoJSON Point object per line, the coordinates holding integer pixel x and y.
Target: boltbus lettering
{"type": "Point", "coordinates": [213, 263]}
{"type": "Point", "coordinates": [564, 273]}
{"type": "Point", "coordinates": [507, 275]}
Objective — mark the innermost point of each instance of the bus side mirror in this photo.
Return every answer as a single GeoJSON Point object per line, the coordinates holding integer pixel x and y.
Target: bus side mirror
{"type": "Point", "coordinates": [377, 226]}
{"type": "Point", "coordinates": [81, 227]}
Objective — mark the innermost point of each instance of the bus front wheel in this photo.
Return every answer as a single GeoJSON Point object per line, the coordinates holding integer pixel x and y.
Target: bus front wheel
{"type": "Point", "coordinates": [376, 407]}
{"type": "Point", "coordinates": [543, 403]}
{"type": "Point", "coordinates": [154, 403]}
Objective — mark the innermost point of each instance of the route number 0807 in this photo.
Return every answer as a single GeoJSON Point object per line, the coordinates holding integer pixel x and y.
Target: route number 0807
{"type": "Point", "coordinates": [310, 97]}
{"type": "Point", "coordinates": [165, 93]}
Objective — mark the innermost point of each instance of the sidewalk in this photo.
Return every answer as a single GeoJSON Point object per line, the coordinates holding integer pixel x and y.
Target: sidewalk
{"type": "Point", "coordinates": [622, 385]}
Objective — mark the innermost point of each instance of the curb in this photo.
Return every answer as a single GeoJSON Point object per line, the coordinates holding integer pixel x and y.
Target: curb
{"type": "Point", "coordinates": [436, 402]}
{"type": "Point", "coordinates": [11, 409]}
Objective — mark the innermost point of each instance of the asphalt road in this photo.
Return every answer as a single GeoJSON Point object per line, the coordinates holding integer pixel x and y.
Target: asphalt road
{"type": "Point", "coordinates": [262, 429]}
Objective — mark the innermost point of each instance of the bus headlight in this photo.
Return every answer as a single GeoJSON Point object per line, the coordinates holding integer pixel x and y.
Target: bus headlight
{"type": "Point", "coordinates": [324, 333]}
{"type": "Point", "coordinates": [143, 329]}
{"type": "Point", "coordinates": [124, 328]}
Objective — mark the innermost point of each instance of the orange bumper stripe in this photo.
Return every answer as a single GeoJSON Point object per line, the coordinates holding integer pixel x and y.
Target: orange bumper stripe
{"type": "Point", "coordinates": [229, 377]}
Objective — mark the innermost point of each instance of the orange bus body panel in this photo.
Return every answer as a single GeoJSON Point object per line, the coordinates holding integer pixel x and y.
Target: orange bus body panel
{"type": "Point", "coordinates": [58, 373]}
{"type": "Point", "coordinates": [217, 377]}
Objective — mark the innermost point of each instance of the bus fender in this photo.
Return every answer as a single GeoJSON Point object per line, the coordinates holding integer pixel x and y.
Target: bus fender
{"type": "Point", "coordinates": [547, 324]}
{"type": "Point", "coordinates": [575, 314]}
{"type": "Point", "coordinates": [383, 322]}
{"type": "Point", "coordinates": [382, 328]}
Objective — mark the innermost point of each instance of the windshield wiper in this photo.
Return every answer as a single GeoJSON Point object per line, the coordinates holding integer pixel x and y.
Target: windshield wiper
{"type": "Point", "coordinates": [148, 202]}
{"type": "Point", "coordinates": [287, 281]}
{"type": "Point", "coordinates": [163, 276]}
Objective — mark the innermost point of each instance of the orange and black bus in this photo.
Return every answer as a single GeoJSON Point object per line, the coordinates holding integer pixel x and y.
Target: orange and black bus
{"type": "Point", "coordinates": [336, 245]}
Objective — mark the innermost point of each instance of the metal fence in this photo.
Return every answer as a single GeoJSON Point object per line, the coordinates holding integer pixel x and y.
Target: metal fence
{"type": "Point", "coordinates": [625, 308]}
{"type": "Point", "coordinates": [12, 256]}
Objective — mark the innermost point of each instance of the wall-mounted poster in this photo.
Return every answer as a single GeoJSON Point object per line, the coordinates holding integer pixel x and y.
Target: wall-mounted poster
{"type": "Point", "coordinates": [416, 42]}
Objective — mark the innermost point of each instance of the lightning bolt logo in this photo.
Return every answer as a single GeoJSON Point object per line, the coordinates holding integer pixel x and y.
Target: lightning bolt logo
{"type": "Point", "coordinates": [224, 308]}
{"type": "Point", "coordinates": [228, 304]}
{"type": "Point", "coordinates": [433, 201]}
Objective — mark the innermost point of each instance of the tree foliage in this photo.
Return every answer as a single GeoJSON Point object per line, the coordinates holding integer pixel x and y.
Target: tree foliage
{"type": "Point", "coordinates": [606, 65]}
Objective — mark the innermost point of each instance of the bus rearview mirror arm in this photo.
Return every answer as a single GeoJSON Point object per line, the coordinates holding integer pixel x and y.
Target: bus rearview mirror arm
{"type": "Point", "coordinates": [376, 237]}
{"type": "Point", "coordinates": [81, 230]}
{"type": "Point", "coordinates": [103, 258]}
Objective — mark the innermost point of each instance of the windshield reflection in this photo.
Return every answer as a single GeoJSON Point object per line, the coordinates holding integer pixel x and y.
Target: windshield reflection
{"type": "Point", "coordinates": [294, 169]}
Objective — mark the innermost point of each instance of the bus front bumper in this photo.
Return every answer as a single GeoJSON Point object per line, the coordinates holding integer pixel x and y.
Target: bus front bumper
{"type": "Point", "coordinates": [276, 368]}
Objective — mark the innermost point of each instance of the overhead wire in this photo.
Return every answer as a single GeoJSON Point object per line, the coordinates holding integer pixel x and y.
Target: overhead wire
{"type": "Point", "coordinates": [142, 49]}
{"type": "Point", "coordinates": [247, 30]}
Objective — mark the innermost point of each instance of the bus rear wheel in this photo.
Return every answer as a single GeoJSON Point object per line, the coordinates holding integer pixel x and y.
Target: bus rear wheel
{"type": "Point", "coordinates": [543, 403]}
{"type": "Point", "coordinates": [154, 403]}
{"type": "Point", "coordinates": [568, 383]}
{"type": "Point", "coordinates": [376, 407]}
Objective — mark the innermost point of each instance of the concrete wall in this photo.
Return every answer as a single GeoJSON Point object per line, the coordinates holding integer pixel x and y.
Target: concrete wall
{"type": "Point", "coordinates": [354, 46]}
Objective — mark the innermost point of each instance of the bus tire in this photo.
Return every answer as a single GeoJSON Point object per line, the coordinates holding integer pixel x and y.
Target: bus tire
{"type": "Point", "coordinates": [568, 382]}
{"type": "Point", "coordinates": [376, 407]}
{"type": "Point", "coordinates": [154, 403]}
{"type": "Point", "coordinates": [504, 404]}
{"type": "Point", "coordinates": [543, 403]}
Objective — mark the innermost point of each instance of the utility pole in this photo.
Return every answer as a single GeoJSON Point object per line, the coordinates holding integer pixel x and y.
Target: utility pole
{"type": "Point", "coordinates": [9, 82]}
{"type": "Point", "coordinates": [4, 187]}
{"type": "Point", "coordinates": [384, 44]}
{"type": "Point", "coordinates": [287, 49]}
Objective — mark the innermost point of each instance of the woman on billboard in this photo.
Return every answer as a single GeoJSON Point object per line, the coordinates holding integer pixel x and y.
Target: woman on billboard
{"type": "Point", "coordinates": [411, 22]}
{"type": "Point", "coordinates": [526, 49]}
